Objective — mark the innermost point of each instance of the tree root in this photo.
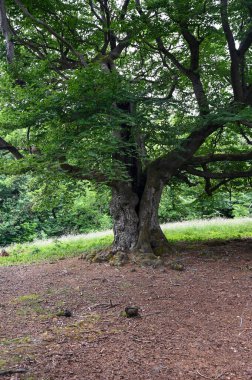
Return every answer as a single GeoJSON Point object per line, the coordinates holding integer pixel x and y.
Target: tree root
{"type": "Point", "coordinates": [120, 258]}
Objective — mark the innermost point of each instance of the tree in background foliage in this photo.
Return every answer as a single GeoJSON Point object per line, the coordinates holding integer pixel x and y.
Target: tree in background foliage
{"type": "Point", "coordinates": [131, 94]}
{"type": "Point", "coordinates": [30, 210]}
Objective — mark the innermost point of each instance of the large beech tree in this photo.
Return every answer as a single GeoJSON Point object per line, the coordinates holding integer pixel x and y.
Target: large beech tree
{"type": "Point", "coordinates": [130, 94]}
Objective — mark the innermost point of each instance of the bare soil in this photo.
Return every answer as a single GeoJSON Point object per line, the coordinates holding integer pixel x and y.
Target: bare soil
{"type": "Point", "coordinates": [194, 324]}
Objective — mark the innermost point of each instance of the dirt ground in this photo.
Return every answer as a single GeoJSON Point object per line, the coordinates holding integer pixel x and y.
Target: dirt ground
{"type": "Point", "coordinates": [194, 324]}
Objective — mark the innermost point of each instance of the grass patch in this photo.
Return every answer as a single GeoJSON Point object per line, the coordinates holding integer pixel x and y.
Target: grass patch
{"type": "Point", "coordinates": [54, 250]}
{"type": "Point", "coordinates": [15, 341]}
{"type": "Point", "coordinates": [69, 246]}
{"type": "Point", "coordinates": [28, 298]}
{"type": "Point", "coordinates": [216, 229]}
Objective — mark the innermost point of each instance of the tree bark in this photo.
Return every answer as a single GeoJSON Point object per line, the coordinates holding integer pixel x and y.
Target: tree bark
{"type": "Point", "coordinates": [135, 216]}
{"type": "Point", "coordinates": [151, 238]}
{"type": "Point", "coordinates": [123, 211]}
{"type": "Point", "coordinates": [4, 25]}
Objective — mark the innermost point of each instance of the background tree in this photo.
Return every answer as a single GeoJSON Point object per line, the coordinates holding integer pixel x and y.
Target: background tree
{"type": "Point", "coordinates": [130, 94]}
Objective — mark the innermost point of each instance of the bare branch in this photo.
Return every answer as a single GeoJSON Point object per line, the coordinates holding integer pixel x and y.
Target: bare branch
{"type": "Point", "coordinates": [245, 136]}
{"type": "Point", "coordinates": [246, 123]}
{"type": "Point", "coordinates": [193, 76]}
{"type": "Point", "coordinates": [171, 56]}
{"type": "Point", "coordinates": [200, 160]}
{"type": "Point", "coordinates": [4, 145]}
{"type": "Point", "coordinates": [167, 165]}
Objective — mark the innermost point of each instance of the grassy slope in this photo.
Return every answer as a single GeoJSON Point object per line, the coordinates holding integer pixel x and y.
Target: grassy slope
{"type": "Point", "coordinates": [69, 246]}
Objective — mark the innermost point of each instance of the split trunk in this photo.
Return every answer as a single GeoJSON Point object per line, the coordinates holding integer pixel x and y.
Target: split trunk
{"type": "Point", "coordinates": [135, 217]}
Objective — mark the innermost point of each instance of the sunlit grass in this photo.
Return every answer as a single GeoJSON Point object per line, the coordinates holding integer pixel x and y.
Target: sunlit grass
{"type": "Point", "coordinates": [200, 230]}
{"type": "Point", "coordinates": [74, 245]}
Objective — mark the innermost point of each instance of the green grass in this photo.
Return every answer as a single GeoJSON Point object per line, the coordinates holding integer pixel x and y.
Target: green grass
{"type": "Point", "coordinates": [210, 230]}
{"type": "Point", "coordinates": [55, 250]}
{"type": "Point", "coordinates": [70, 246]}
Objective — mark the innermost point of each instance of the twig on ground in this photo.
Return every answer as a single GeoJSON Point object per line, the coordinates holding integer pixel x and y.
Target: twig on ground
{"type": "Point", "coordinates": [154, 312]}
{"type": "Point", "coordinates": [249, 328]}
{"type": "Point", "coordinates": [212, 378]}
{"type": "Point", "coordinates": [104, 305]}
{"type": "Point", "coordinates": [12, 371]}
{"type": "Point", "coordinates": [205, 377]}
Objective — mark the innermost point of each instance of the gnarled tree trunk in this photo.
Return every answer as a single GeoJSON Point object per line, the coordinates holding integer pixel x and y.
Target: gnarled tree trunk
{"type": "Point", "coordinates": [135, 216]}
{"type": "Point", "coordinates": [123, 211]}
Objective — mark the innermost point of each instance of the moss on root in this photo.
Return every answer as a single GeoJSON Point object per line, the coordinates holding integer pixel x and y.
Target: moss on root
{"type": "Point", "coordinates": [120, 258]}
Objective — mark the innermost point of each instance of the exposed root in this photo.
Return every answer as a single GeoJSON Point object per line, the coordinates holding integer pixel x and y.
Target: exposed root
{"type": "Point", "coordinates": [120, 258]}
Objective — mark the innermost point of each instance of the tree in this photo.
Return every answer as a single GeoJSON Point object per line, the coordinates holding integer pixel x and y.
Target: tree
{"type": "Point", "coordinates": [130, 94]}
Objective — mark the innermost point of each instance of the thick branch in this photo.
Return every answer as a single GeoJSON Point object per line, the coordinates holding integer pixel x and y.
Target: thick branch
{"type": "Point", "coordinates": [14, 151]}
{"type": "Point", "coordinates": [192, 75]}
{"type": "Point", "coordinates": [235, 60]}
{"type": "Point", "coordinates": [76, 172]}
{"type": "Point", "coordinates": [6, 32]}
{"type": "Point", "coordinates": [124, 9]}
{"type": "Point", "coordinates": [200, 160]}
{"type": "Point", "coordinates": [116, 52]}
{"type": "Point", "coordinates": [167, 165]}
{"type": "Point", "coordinates": [193, 44]}
{"type": "Point", "coordinates": [245, 44]}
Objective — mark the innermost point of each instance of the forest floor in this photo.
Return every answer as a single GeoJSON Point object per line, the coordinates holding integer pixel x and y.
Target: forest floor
{"type": "Point", "coordinates": [194, 324]}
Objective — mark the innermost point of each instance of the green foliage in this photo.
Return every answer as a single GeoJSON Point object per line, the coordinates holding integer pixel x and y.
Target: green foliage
{"type": "Point", "coordinates": [65, 95]}
{"type": "Point", "coordinates": [33, 209]}
{"type": "Point", "coordinates": [180, 202]}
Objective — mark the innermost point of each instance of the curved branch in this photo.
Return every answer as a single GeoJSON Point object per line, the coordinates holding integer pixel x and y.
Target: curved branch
{"type": "Point", "coordinates": [245, 44]}
{"type": "Point", "coordinates": [76, 172]}
{"type": "Point", "coordinates": [210, 189]}
{"type": "Point", "coordinates": [52, 31]}
{"type": "Point", "coordinates": [4, 145]}
{"type": "Point", "coordinates": [124, 43]}
{"type": "Point", "coordinates": [191, 73]}
{"type": "Point", "coordinates": [166, 166]}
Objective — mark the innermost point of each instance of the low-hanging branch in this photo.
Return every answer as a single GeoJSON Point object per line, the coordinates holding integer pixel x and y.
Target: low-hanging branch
{"type": "Point", "coordinates": [199, 160]}
{"type": "Point", "coordinates": [77, 173]}
{"type": "Point", "coordinates": [219, 175]}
